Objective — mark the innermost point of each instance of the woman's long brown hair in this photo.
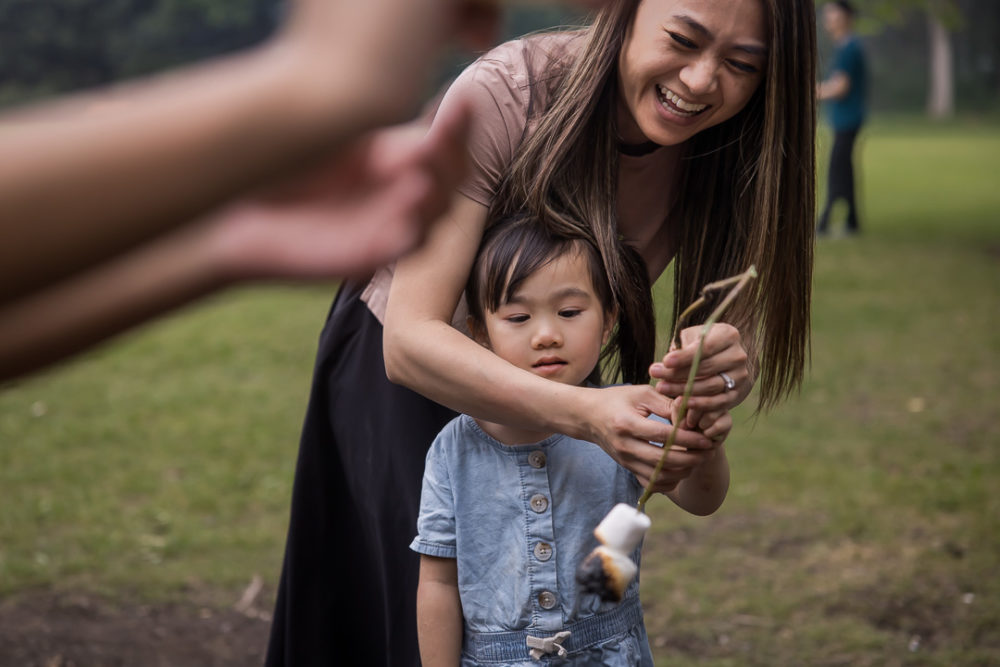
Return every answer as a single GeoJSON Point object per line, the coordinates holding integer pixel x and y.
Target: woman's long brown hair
{"type": "Point", "coordinates": [747, 186]}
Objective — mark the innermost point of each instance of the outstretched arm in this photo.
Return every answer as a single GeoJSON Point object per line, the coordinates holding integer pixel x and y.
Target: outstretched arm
{"type": "Point", "coordinates": [358, 211]}
{"type": "Point", "coordinates": [95, 174]}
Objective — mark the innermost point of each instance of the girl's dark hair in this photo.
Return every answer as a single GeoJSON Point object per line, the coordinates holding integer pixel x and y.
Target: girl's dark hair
{"type": "Point", "coordinates": [516, 246]}
{"type": "Point", "coordinates": [748, 185]}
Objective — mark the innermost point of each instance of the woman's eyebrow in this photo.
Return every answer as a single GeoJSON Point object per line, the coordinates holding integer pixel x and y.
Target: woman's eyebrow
{"type": "Point", "coordinates": [752, 49]}
{"type": "Point", "coordinates": [694, 25]}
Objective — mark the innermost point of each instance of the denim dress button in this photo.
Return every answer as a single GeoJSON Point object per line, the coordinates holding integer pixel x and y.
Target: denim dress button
{"type": "Point", "coordinates": [543, 551]}
{"type": "Point", "coordinates": [546, 600]}
{"type": "Point", "coordinates": [537, 459]}
{"type": "Point", "coordinates": [539, 503]}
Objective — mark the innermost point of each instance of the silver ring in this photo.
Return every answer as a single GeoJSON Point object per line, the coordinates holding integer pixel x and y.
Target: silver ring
{"type": "Point", "coordinates": [730, 382]}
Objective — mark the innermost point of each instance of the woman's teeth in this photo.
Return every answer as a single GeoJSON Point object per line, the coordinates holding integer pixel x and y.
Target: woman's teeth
{"type": "Point", "coordinates": [678, 105]}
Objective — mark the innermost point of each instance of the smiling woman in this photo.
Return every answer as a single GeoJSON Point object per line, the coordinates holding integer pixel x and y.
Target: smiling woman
{"type": "Point", "coordinates": [685, 130]}
{"type": "Point", "coordinates": [687, 66]}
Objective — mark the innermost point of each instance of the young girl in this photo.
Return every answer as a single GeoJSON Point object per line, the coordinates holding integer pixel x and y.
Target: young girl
{"type": "Point", "coordinates": [506, 512]}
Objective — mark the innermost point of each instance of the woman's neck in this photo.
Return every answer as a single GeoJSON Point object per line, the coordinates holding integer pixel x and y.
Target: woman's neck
{"type": "Point", "coordinates": [637, 150]}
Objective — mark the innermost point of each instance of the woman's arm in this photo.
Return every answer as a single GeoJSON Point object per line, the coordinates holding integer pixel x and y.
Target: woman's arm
{"type": "Point", "coordinates": [439, 612]}
{"type": "Point", "coordinates": [424, 352]}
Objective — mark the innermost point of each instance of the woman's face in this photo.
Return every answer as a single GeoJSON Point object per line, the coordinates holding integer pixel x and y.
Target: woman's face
{"type": "Point", "coordinates": [687, 65]}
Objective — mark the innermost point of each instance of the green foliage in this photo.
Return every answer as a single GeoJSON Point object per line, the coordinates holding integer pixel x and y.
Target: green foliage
{"type": "Point", "coordinates": [523, 20]}
{"type": "Point", "coordinates": [893, 11]}
{"type": "Point", "coordinates": [53, 46]}
{"type": "Point", "coordinates": [895, 36]}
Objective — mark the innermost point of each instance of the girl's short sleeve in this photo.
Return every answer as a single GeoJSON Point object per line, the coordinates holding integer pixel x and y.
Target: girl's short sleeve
{"type": "Point", "coordinates": [436, 520]}
{"type": "Point", "coordinates": [497, 88]}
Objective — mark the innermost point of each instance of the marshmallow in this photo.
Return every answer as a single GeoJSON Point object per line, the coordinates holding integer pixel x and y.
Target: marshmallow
{"type": "Point", "coordinates": [622, 529]}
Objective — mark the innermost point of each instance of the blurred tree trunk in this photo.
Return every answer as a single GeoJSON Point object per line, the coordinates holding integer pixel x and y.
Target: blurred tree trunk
{"type": "Point", "coordinates": [941, 91]}
{"type": "Point", "coordinates": [943, 17]}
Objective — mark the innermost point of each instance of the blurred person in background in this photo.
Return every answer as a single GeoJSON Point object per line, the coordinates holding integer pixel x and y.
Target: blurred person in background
{"type": "Point", "coordinates": [846, 92]}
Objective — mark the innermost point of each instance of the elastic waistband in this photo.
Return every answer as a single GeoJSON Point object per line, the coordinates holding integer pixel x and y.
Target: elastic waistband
{"type": "Point", "coordinates": [507, 646]}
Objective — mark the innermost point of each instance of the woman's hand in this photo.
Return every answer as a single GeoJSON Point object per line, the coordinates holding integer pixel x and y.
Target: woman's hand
{"type": "Point", "coordinates": [723, 353]}
{"type": "Point", "coordinates": [618, 421]}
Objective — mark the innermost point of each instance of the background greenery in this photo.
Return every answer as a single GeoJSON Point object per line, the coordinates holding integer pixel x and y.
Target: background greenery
{"type": "Point", "coordinates": [862, 526]}
{"type": "Point", "coordinates": [58, 45]}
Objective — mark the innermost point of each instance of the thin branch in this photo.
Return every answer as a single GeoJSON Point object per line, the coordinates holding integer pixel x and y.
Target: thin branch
{"type": "Point", "coordinates": [737, 282]}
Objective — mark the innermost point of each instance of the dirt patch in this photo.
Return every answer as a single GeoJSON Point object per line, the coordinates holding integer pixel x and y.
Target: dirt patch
{"type": "Point", "coordinates": [45, 629]}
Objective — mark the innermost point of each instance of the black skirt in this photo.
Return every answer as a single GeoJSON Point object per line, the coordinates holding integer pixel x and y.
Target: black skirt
{"type": "Point", "coordinates": [347, 594]}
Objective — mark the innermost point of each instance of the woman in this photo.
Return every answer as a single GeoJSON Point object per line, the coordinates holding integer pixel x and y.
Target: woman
{"type": "Point", "coordinates": [685, 126]}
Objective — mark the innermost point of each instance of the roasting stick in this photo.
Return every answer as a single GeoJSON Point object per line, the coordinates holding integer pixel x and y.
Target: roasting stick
{"type": "Point", "coordinates": [608, 569]}
{"type": "Point", "coordinates": [737, 282]}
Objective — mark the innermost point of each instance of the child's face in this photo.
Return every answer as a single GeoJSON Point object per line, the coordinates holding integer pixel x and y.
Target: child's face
{"type": "Point", "coordinates": [554, 326]}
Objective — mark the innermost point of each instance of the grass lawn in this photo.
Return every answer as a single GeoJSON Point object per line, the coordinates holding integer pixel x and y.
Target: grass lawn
{"type": "Point", "coordinates": [862, 527]}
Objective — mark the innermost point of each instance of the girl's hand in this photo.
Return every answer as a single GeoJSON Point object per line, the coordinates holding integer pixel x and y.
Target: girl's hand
{"type": "Point", "coordinates": [713, 425]}
{"type": "Point", "coordinates": [680, 464]}
{"type": "Point", "coordinates": [723, 353]}
{"type": "Point", "coordinates": [618, 421]}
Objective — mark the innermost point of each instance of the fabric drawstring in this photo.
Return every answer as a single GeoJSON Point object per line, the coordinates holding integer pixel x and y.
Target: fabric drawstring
{"type": "Point", "coordinates": [544, 645]}
{"type": "Point", "coordinates": [503, 648]}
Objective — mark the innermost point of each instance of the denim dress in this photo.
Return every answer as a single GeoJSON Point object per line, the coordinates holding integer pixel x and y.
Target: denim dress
{"type": "Point", "coordinates": [519, 520]}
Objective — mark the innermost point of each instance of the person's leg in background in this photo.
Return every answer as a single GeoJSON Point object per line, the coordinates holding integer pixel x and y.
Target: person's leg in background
{"type": "Point", "coordinates": [840, 181]}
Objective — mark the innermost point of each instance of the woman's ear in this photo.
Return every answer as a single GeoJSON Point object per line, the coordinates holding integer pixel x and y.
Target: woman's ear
{"type": "Point", "coordinates": [478, 331]}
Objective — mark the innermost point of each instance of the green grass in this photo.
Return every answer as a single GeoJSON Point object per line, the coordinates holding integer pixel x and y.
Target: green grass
{"type": "Point", "coordinates": [863, 523]}
{"type": "Point", "coordinates": [162, 462]}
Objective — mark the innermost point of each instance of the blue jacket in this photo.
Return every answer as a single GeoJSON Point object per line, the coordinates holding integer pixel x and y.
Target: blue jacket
{"type": "Point", "coordinates": [848, 112]}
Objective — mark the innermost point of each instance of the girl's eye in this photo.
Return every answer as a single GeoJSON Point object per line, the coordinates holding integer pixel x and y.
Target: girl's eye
{"type": "Point", "coordinates": [569, 312]}
{"type": "Point", "coordinates": [517, 319]}
{"type": "Point", "coordinates": [682, 40]}
{"type": "Point", "coordinates": [741, 66]}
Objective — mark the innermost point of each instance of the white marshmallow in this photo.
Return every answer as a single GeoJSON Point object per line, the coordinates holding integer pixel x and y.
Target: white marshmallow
{"type": "Point", "coordinates": [622, 529]}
